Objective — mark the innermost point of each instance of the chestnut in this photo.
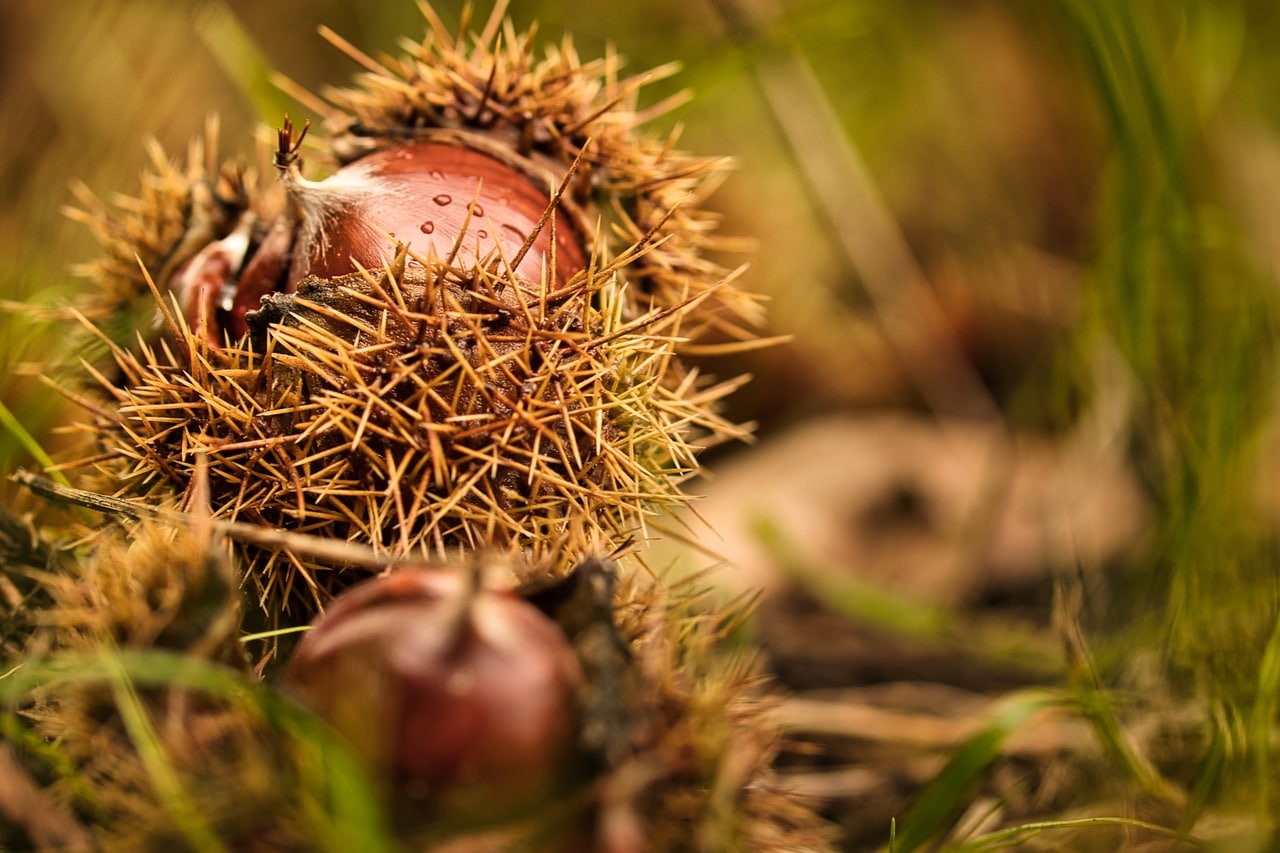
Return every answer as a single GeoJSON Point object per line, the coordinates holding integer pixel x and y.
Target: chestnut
{"type": "Point", "coordinates": [428, 196]}
{"type": "Point", "coordinates": [463, 699]}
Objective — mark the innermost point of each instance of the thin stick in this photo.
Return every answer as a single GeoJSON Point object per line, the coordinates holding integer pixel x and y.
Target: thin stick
{"type": "Point", "coordinates": [318, 547]}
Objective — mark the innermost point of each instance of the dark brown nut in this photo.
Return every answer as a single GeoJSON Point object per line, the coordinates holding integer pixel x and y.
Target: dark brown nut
{"type": "Point", "coordinates": [429, 197]}
{"type": "Point", "coordinates": [464, 698]}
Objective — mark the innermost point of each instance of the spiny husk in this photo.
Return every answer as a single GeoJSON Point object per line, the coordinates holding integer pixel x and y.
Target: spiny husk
{"type": "Point", "coordinates": [416, 411]}
{"type": "Point", "coordinates": [704, 737]}
{"type": "Point", "coordinates": [434, 406]}
{"type": "Point", "coordinates": [150, 587]}
{"type": "Point", "coordinates": [531, 415]}
{"type": "Point", "coordinates": [495, 91]}
{"type": "Point", "coordinates": [179, 210]}
{"type": "Point", "coordinates": [159, 588]}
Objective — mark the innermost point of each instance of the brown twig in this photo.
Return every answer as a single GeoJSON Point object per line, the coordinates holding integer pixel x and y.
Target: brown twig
{"type": "Point", "coordinates": [318, 547]}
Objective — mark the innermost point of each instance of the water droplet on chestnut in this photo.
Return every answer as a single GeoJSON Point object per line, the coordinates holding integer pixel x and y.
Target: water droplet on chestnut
{"type": "Point", "coordinates": [427, 227]}
{"type": "Point", "coordinates": [343, 221]}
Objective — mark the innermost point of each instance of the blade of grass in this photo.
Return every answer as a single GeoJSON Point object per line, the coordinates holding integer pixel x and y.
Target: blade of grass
{"type": "Point", "coordinates": [946, 796]}
{"type": "Point", "coordinates": [277, 632]}
{"type": "Point", "coordinates": [852, 208]}
{"type": "Point", "coordinates": [1015, 835]}
{"type": "Point", "coordinates": [874, 605]}
{"type": "Point", "coordinates": [1262, 718]}
{"type": "Point", "coordinates": [347, 816]}
{"type": "Point", "coordinates": [28, 443]}
{"type": "Point", "coordinates": [164, 778]}
{"type": "Point", "coordinates": [343, 812]}
{"type": "Point", "coordinates": [242, 60]}
{"type": "Point", "coordinates": [1097, 704]}
{"type": "Point", "coordinates": [862, 601]}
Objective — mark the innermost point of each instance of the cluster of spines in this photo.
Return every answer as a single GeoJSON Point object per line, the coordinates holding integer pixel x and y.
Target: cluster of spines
{"type": "Point", "coordinates": [361, 415]}
{"type": "Point", "coordinates": [180, 209]}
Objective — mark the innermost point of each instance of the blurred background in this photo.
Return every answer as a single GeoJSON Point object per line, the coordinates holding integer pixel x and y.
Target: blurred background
{"type": "Point", "coordinates": [1010, 514]}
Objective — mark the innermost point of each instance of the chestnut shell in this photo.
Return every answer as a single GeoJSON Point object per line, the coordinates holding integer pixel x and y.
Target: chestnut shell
{"type": "Point", "coordinates": [429, 196]}
{"type": "Point", "coordinates": [467, 699]}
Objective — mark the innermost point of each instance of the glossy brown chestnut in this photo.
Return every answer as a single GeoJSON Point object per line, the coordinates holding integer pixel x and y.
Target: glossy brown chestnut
{"type": "Point", "coordinates": [428, 196]}
{"type": "Point", "coordinates": [467, 698]}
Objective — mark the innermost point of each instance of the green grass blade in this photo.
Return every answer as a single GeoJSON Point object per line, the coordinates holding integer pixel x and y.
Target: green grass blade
{"type": "Point", "coordinates": [946, 796]}
{"type": "Point", "coordinates": [164, 778]}
{"type": "Point", "coordinates": [1262, 718]}
{"type": "Point", "coordinates": [28, 443]}
{"type": "Point", "coordinates": [275, 632]}
{"type": "Point", "coordinates": [1015, 835]}
{"type": "Point", "coordinates": [342, 810]}
{"type": "Point", "coordinates": [882, 608]}
{"type": "Point", "coordinates": [242, 61]}
{"type": "Point", "coordinates": [840, 590]}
